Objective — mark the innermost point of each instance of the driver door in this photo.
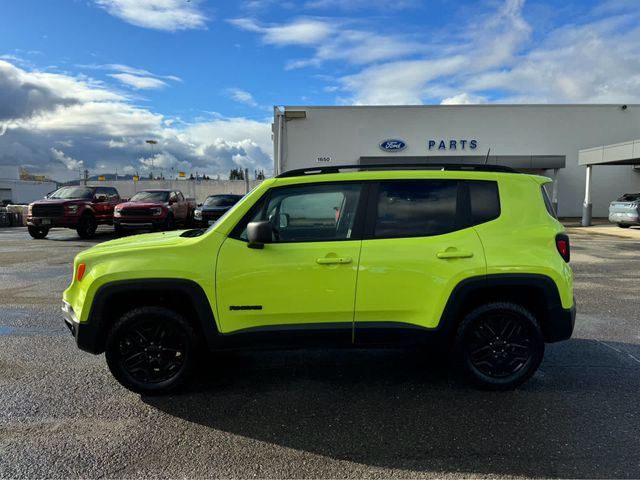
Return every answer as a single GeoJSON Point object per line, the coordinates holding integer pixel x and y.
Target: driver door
{"type": "Point", "coordinates": [305, 278]}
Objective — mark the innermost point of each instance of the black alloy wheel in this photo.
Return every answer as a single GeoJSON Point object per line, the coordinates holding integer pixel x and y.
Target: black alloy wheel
{"type": "Point", "coordinates": [38, 232]}
{"type": "Point", "coordinates": [151, 350]}
{"type": "Point", "coordinates": [87, 226]}
{"type": "Point", "coordinates": [499, 345]}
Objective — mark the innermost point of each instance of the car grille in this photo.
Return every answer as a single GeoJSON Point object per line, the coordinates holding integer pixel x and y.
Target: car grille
{"type": "Point", "coordinates": [135, 212]}
{"type": "Point", "coordinates": [47, 211]}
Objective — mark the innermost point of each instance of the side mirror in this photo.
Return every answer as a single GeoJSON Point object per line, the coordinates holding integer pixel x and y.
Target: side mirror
{"type": "Point", "coordinates": [259, 233]}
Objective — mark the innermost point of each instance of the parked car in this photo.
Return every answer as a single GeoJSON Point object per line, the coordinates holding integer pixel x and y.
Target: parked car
{"type": "Point", "coordinates": [626, 210]}
{"type": "Point", "coordinates": [81, 208]}
{"type": "Point", "coordinates": [157, 209]}
{"type": "Point", "coordinates": [213, 208]}
{"type": "Point", "coordinates": [464, 258]}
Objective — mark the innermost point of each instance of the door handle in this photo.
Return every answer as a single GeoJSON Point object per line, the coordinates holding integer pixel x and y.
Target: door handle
{"type": "Point", "coordinates": [447, 254]}
{"type": "Point", "coordinates": [333, 260]}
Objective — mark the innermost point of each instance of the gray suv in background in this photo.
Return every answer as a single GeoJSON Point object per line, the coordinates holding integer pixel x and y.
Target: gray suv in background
{"type": "Point", "coordinates": [626, 210]}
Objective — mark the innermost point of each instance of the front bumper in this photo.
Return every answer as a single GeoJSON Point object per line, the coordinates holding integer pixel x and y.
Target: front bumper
{"type": "Point", "coordinates": [624, 217]}
{"type": "Point", "coordinates": [139, 223]}
{"type": "Point", "coordinates": [84, 333]}
{"type": "Point", "coordinates": [50, 222]}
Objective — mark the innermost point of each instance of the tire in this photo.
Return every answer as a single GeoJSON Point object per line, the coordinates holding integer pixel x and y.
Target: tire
{"type": "Point", "coordinates": [624, 225]}
{"type": "Point", "coordinates": [169, 223]}
{"type": "Point", "coordinates": [151, 350]}
{"type": "Point", "coordinates": [119, 230]}
{"type": "Point", "coordinates": [38, 232]}
{"type": "Point", "coordinates": [498, 346]}
{"type": "Point", "coordinates": [87, 226]}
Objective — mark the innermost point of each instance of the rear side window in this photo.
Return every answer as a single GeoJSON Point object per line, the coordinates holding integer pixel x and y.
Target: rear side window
{"type": "Point", "coordinates": [547, 202]}
{"type": "Point", "coordinates": [422, 208]}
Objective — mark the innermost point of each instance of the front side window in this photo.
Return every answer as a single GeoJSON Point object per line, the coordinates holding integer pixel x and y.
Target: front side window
{"type": "Point", "coordinates": [311, 213]}
{"type": "Point", "coordinates": [423, 208]}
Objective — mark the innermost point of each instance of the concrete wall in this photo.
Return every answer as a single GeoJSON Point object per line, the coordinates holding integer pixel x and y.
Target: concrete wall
{"type": "Point", "coordinates": [23, 191]}
{"type": "Point", "coordinates": [345, 134]}
{"type": "Point", "coordinates": [198, 189]}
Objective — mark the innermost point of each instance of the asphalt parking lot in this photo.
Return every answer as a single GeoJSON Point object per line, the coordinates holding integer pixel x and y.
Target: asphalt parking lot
{"type": "Point", "coordinates": [346, 414]}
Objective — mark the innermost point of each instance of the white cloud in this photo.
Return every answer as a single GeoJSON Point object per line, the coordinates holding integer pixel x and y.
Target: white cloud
{"type": "Point", "coordinates": [497, 55]}
{"type": "Point", "coordinates": [464, 99]}
{"type": "Point", "coordinates": [107, 132]}
{"type": "Point", "coordinates": [242, 96]}
{"type": "Point", "coordinates": [169, 15]}
{"type": "Point", "coordinates": [139, 83]}
{"type": "Point", "coordinates": [70, 163]}
{"type": "Point", "coordinates": [299, 32]}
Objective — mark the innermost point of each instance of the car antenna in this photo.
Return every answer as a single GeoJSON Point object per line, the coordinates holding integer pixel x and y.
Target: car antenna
{"type": "Point", "coordinates": [486, 159]}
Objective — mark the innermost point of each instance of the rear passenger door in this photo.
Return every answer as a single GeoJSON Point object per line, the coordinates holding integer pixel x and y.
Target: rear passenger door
{"type": "Point", "coordinates": [419, 243]}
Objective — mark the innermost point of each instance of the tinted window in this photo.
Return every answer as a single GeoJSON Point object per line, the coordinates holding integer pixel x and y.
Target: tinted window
{"type": "Point", "coordinates": [150, 197]}
{"type": "Point", "coordinates": [416, 208]}
{"type": "Point", "coordinates": [73, 192]}
{"type": "Point", "coordinates": [485, 200]}
{"type": "Point", "coordinates": [422, 208]}
{"type": "Point", "coordinates": [629, 197]}
{"type": "Point", "coordinates": [220, 201]}
{"type": "Point", "coordinates": [312, 213]}
{"type": "Point", "coordinates": [547, 202]}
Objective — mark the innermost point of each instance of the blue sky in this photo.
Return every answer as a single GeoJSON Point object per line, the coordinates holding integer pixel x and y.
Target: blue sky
{"type": "Point", "coordinates": [84, 82]}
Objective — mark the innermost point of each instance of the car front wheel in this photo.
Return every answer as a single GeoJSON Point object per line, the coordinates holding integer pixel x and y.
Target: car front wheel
{"type": "Point", "coordinates": [87, 226]}
{"type": "Point", "coordinates": [151, 350]}
{"type": "Point", "coordinates": [38, 232]}
{"type": "Point", "coordinates": [499, 345]}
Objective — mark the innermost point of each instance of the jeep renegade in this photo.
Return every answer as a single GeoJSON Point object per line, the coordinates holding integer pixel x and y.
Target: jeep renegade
{"type": "Point", "coordinates": [468, 258]}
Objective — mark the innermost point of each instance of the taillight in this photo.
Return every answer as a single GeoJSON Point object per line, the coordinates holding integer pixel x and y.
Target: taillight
{"type": "Point", "coordinates": [80, 273]}
{"type": "Point", "coordinates": [562, 244]}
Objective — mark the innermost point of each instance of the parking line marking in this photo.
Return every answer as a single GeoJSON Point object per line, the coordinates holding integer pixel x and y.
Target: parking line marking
{"type": "Point", "coordinates": [633, 357]}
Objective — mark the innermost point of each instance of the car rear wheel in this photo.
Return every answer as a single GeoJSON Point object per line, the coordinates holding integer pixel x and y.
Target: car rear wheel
{"type": "Point", "coordinates": [38, 232]}
{"type": "Point", "coordinates": [498, 346]}
{"type": "Point", "coordinates": [87, 226]}
{"type": "Point", "coordinates": [151, 350]}
{"type": "Point", "coordinates": [624, 225]}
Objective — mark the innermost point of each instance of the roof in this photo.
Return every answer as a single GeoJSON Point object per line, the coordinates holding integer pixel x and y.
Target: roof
{"type": "Point", "coordinates": [465, 167]}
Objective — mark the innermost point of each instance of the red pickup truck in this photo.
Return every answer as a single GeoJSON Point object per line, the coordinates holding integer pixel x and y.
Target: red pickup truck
{"type": "Point", "coordinates": [154, 209]}
{"type": "Point", "coordinates": [78, 207]}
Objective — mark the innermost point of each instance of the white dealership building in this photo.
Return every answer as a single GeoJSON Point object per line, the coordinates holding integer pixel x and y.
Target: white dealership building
{"type": "Point", "coordinates": [592, 151]}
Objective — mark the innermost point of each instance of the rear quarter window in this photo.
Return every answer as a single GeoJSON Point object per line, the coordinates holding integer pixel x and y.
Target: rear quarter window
{"type": "Point", "coordinates": [547, 202]}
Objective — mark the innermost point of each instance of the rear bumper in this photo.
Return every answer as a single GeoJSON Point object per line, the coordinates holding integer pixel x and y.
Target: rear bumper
{"type": "Point", "coordinates": [84, 333]}
{"type": "Point", "coordinates": [560, 324]}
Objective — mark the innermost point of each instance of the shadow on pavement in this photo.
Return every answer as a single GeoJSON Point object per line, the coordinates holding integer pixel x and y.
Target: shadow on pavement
{"type": "Point", "coordinates": [579, 416]}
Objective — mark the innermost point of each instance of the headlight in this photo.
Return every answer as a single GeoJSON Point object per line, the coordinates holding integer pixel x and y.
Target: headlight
{"type": "Point", "coordinates": [72, 209]}
{"type": "Point", "coordinates": [116, 211]}
{"type": "Point", "coordinates": [197, 214]}
{"type": "Point", "coordinates": [30, 210]}
{"type": "Point", "coordinates": [156, 212]}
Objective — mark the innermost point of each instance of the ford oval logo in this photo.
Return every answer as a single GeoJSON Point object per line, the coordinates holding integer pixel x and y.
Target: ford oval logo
{"type": "Point", "coordinates": [392, 145]}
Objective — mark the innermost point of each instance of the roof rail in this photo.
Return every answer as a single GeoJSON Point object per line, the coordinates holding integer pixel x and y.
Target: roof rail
{"type": "Point", "coordinates": [474, 167]}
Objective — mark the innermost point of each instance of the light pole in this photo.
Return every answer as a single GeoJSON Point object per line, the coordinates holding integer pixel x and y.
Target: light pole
{"type": "Point", "coordinates": [152, 143]}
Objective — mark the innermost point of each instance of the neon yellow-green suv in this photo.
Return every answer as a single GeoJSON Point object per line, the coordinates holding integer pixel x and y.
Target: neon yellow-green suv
{"type": "Point", "coordinates": [470, 258]}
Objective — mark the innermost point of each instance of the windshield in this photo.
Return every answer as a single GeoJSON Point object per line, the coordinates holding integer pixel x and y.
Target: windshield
{"type": "Point", "coordinates": [150, 197]}
{"type": "Point", "coordinates": [73, 192]}
{"type": "Point", "coordinates": [629, 197]}
{"type": "Point", "coordinates": [220, 201]}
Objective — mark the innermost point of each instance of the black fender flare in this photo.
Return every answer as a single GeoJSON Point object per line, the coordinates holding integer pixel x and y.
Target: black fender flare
{"type": "Point", "coordinates": [92, 333]}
